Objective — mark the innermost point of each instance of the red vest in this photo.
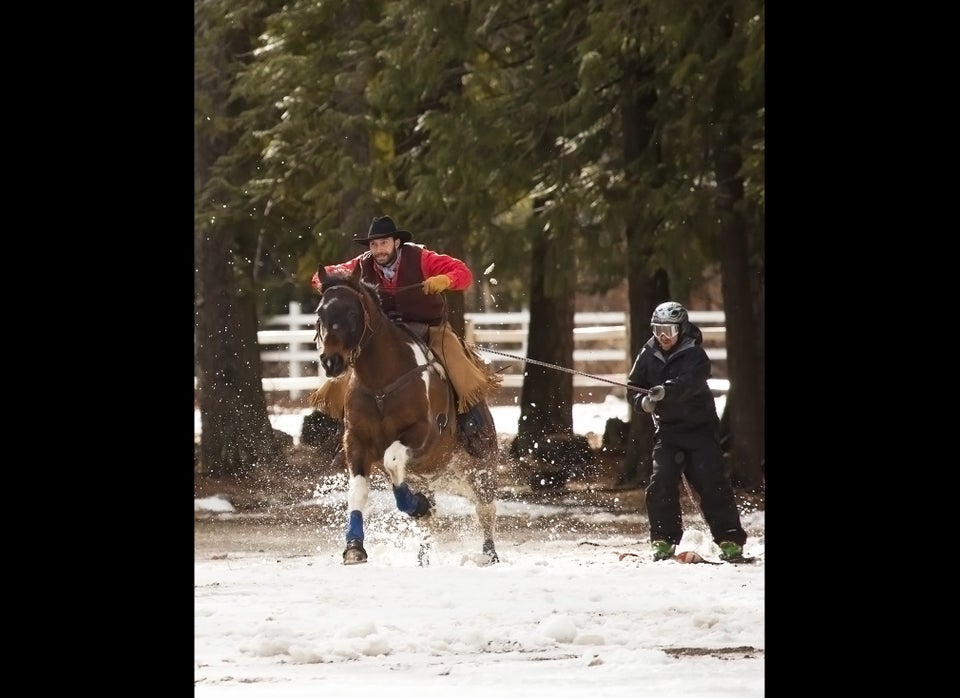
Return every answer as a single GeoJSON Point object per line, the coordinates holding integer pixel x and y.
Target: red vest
{"type": "Point", "coordinates": [412, 304]}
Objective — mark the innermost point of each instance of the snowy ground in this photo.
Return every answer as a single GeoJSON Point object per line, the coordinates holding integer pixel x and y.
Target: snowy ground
{"type": "Point", "coordinates": [575, 607]}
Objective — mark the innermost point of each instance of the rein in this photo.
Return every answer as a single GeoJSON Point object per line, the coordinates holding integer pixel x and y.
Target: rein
{"type": "Point", "coordinates": [381, 395]}
{"type": "Point", "coordinates": [400, 289]}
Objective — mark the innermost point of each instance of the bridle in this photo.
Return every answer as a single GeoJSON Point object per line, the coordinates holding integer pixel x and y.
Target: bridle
{"type": "Point", "coordinates": [365, 335]}
{"type": "Point", "coordinates": [380, 395]}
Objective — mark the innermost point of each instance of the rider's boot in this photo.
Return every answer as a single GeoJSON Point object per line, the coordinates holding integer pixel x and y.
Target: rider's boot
{"type": "Point", "coordinates": [477, 430]}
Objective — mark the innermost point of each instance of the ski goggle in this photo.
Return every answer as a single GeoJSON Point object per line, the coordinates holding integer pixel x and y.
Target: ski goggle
{"type": "Point", "coordinates": [670, 330]}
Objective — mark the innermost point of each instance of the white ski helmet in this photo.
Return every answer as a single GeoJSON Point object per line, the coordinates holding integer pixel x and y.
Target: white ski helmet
{"type": "Point", "coordinates": [669, 313]}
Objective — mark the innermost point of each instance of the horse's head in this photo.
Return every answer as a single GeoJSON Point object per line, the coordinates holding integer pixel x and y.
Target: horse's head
{"type": "Point", "coordinates": [342, 318]}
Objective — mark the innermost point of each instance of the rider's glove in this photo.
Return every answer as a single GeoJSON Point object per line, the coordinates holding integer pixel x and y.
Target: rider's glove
{"type": "Point", "coordinates": [657, 393]}
{"type": "Point", "coordinates": [437, 284]}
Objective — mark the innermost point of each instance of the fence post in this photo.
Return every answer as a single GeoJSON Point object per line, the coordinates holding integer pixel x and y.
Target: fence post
{"type": "Point", "coordinates": [525, 324]}
{"type": "Point", "coordinates": [295, 314]}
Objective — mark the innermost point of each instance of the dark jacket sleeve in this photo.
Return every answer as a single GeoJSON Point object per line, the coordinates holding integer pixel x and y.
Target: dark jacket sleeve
{"type": "Point", "coordinates": [638, 377]}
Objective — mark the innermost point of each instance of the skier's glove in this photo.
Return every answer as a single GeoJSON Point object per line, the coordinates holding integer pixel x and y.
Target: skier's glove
{"type": "Point", "coordinates": [641, 403]}
{"type": "Point", "coordinates": [657, 393]}
{"type": "Point", "coordinates": [437, 284]}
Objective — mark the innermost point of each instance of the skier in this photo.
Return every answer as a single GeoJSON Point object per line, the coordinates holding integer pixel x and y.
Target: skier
{"type": "Point", "coordinates": [672, 368]}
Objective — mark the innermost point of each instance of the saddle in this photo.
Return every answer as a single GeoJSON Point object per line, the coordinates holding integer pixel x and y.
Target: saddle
{"type": "Point", "coordinates": [475, 427]}
{"type": "Point", "coordinates": [420, 331]}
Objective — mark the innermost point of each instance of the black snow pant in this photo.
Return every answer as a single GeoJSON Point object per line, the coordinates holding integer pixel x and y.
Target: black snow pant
{"type": "Point", "coordinates": [697, 456]}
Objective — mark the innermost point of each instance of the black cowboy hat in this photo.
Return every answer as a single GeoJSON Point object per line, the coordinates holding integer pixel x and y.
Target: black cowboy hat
{"type": "Point", "coordinates": [384, 227]}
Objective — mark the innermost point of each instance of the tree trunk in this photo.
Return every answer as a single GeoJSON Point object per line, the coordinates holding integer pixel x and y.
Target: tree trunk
{"type": "Point", "coordinates": [745, 399]}
{"type": "Point", "coordinates": [236, 434]}
{"type": "Point", "coordinates": [546, 397]}
{"type": "Point", "coordinates": [645, 289]}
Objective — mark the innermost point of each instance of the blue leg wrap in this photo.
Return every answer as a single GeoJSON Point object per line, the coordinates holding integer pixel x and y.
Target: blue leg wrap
{"type": "Point", "coordinates": [355, 527]}
{"type": "Point", "coordinates": [406, 502]}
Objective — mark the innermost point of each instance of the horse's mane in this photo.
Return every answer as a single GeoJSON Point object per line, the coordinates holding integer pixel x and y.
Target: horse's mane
{"type": "Point", "coordinates": [345, 278]}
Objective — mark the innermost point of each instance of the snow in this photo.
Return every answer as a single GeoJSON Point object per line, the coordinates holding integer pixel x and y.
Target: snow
{"type": "Point", "coordinates": [563, 614]}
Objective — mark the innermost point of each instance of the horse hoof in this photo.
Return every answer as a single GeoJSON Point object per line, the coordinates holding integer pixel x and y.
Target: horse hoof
{"type": "Point", "coordinates": [354, 553]}
{"type": "Point", "coordinates": [490, 551]}
{"type": "Point", "coordinates": [423, 508]}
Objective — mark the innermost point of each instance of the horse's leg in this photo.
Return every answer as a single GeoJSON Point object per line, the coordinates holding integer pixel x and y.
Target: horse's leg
{"type": "Point", "coordinates": [484, 487]}
{"type": "Point", "coordinates": [416, 504]}
{"type": "Point", "coordinates": [395, 460]}
{"type": "Point", "coordinates": [357, 496]}
{"type": "Point", "coordinates": [481, 443]}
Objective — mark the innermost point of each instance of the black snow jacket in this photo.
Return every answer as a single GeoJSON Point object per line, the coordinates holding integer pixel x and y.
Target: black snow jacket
{"type": "Point", "coordinates": [688, 406]}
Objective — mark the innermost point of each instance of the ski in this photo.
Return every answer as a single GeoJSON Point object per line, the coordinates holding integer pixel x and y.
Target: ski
{"type": "Point", "coordinates": [698, 560]}
{"type": "Point", "coordinates": [701, 560]}
{"type": "Point", "coordinates": [737, 561]}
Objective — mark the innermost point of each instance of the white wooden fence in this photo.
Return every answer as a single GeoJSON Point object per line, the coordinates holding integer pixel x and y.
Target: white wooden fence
{"type": "Point", "coordinates": [601, 347]}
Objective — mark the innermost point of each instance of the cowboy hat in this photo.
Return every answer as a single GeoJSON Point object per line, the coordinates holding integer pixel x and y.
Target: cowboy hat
{"type": "Point", "coordinates": [384, 227]}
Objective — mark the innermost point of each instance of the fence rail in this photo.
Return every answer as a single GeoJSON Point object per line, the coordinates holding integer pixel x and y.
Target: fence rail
{"type": "Point", "coordinates": [601, 347]}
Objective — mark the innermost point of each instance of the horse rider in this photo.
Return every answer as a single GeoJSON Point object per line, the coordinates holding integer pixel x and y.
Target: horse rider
{"type": "Point", "coordinates": [394, 263]}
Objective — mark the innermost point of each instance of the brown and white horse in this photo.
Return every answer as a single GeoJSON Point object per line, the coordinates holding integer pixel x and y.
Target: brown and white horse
{"type": "Point", "coordinates": [399, 414]}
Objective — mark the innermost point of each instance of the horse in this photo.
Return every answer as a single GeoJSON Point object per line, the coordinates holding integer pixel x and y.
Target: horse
{"type": "Point", "coordinates": [399, 415]}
